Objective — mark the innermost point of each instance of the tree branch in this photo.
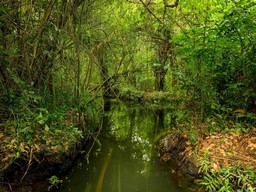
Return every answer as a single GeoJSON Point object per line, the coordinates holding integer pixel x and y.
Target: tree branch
{"type": "Point", "coordinates": [146, 6]}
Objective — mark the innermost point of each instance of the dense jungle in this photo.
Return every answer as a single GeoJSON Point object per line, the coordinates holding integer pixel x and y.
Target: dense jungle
{"type": "Point", "coordinates": [178, 75]}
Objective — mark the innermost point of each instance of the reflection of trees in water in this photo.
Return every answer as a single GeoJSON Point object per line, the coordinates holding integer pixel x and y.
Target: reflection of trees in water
{"type": "Point", "coordinates": [124, 122]}
{"type": "Point", "coordinates": [173, 118]}
{"type": "Point", "coordinates": [126, 158]}
{"type": "Point", "coordinates": [135, 125]}
{"type": "Point", "coordinates": [132, 115]}
{"type": "Point", "coordinates": [158, 121]}
{"type": "Point", "coordinates": [127, 128]}
{"type": "Point", "coordinates": [133, 129]}
{"type": "Point", "coordinates": [106, 109]}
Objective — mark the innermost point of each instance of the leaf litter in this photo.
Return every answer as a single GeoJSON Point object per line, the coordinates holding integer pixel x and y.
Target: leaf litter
{"type": "Point", "coordinates": [225, 149]}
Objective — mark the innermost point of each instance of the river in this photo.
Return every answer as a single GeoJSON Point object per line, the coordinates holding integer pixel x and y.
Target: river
{"type": "Point", "coordinates": [123, 158]}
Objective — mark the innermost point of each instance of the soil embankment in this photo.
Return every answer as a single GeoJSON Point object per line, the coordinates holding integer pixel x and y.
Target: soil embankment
{"type": "Point", "coordinates": [222, 150]}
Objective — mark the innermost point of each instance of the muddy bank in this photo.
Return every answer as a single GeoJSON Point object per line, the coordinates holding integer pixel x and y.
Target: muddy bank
{"type": "Point", "coordinates": [30, 173]}
{"type": "Point", "coordinates": [174, 151]}
{"type": "Point", "coordinates": [221, 151]}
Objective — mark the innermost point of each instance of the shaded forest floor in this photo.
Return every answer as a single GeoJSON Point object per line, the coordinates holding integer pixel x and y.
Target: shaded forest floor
{"type": "Point", "coordinates": [226, 149]}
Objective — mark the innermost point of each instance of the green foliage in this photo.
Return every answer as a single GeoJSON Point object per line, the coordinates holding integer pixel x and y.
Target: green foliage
{"type": "Point", "coordinates": [224, 118]}
{"type": "Point", "coordinates": [35, 125]}
{"type": "Point", "coordinates": [193, 137]}
{"type": "Point", "coordinates": [44, 128]}
{"type": "Point", "coordinates": [54, 182]}
{"type": "Point", "coordinates": [130, 93]}
{"type": "Point", "coordinates": [229, 179]}
{"type": "Point", "coordinates": [216, 56]}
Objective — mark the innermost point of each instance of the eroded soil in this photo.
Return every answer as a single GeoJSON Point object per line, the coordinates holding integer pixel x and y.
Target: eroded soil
{"type": "Point", "coordinates": [220, 150]}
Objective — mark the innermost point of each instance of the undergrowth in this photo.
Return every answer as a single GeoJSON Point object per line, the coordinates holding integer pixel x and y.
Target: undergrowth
{"type": "Point", "coordinates": [230, 179]}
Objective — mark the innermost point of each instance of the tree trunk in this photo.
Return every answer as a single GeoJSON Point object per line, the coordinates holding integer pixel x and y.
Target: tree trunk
{"type": "Point", "coordinates": [103, 70]}
{"type": "Point", "coordinates": [163, 56]}
{"type": "Point", "coordinates": [160, 78]}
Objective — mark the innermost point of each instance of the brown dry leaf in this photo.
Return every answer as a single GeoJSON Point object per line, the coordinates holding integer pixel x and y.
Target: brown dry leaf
{"type": "Point", "coordinates": [54, 149]}
{"type": "Point", "coordinates": [215, 167]}
{"type": "Point", "coordinates": [1, 135]}
{"type": "Point", "coordinates": [239, 111]}
{"type": "Point", "coordinates": [234, 134]}
{"type": "Point", "coordinates": [66, 148]}
{"type": "Point", "coordinates": [252, 146]}
{"type": "Point", "coordinates": [12, 129]}
{"type": "Point", "coordinates": [7, 157]}
{"type": "Point", "coordinates": [210, 146]}
{"type": "Point", "coordinates": [227, 149]}
{"type": "Point", "coordinates": [253, 138]}
{"type": "Point", "coordinates": [37, 147]}
{"type": "Point", "coordinates": [204, 143]}
{"type": "Point", "coordinates": [188, 148]}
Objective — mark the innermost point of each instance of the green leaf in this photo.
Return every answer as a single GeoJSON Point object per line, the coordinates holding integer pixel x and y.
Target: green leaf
{"type": "Point", "coordinates": [46, 128]}
{"type": "Point", "coordinates": [17, 154]}
{"type": "Point", "coordinates": [41, 121]}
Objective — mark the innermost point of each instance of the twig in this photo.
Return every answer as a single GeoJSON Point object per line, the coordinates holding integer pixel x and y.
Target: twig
{"type": "Point", "coordinates": [94, 140]}
{"type": "Point", "coordinates": [29, 163]}
{"type": "Point", "coordinates": [9, 185]}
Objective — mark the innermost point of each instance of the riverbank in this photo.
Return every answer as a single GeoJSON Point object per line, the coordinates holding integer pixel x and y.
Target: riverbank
{"type": "Point", "coordinates": [28, 160]}
{"type": "Point", "coordinates": [222, 160]}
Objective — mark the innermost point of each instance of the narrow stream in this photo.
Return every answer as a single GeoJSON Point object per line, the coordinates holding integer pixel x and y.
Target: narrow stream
{"type": "Point", "coordinates": [123, 160]}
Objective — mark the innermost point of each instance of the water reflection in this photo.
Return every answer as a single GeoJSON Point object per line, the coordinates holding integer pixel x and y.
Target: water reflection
{"type": "Point", "coordinates": [123, 160]}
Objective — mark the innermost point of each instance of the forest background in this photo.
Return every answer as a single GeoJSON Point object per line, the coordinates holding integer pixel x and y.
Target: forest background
{"type": "Point", "coordinates": [58, 56]}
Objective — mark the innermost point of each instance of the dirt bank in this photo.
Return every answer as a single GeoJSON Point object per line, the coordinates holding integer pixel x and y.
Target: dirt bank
{"type": "Point", "coordinates": [220, 150]}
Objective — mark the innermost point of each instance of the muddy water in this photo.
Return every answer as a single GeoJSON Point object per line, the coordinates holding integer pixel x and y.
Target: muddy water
{"type": "Point", "coordinates": [123, 159]}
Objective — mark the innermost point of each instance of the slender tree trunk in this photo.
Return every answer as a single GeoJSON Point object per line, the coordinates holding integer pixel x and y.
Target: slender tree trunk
{"type": "Point", "coordinates": [132, 116]}
{"type": "Point", "coordinates": [51, 89]}
{"type": "Point", "coordinates": [103, 70]}
{"type": "Point", "coordinates": [3, 58]}
{"type": "Point", "coordinates": [160, 78]}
